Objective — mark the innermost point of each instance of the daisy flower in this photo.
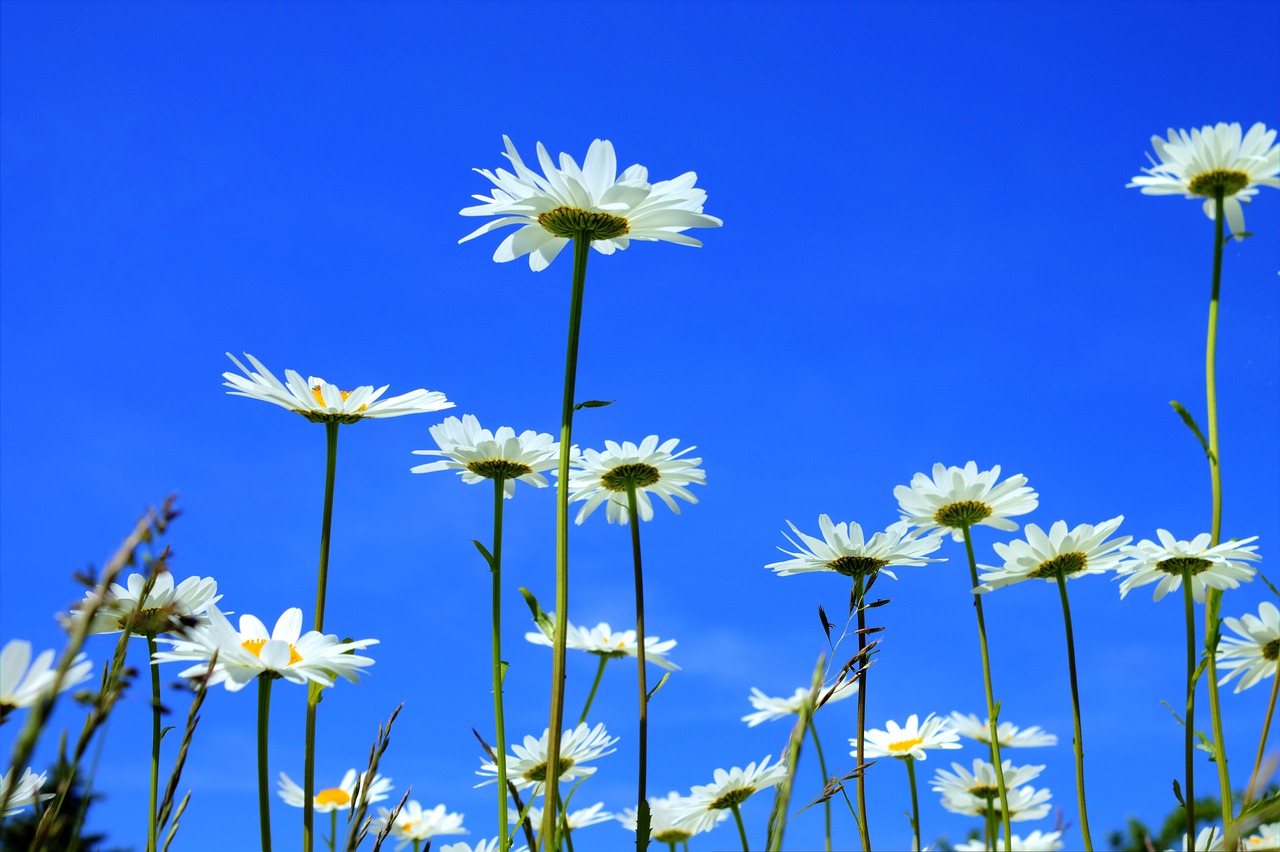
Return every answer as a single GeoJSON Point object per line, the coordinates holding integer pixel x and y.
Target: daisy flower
{"type": "Point", "coordinates": [1036, 841]}
{"type": "Point", "coordinates": [165, 609]}
{"type": "Point", "coordinates": [971, 793]}
{"type": "Point", "coordinates": [23, 681]}
{"type": "Point", "coordinates": [604, 641]}
{"type": "Point", "coordinates": [1268, 837]}
{"type": "Point", "coordinates": [413, 824]}
{"type": "Point", "coordinates": [580, 818]}
{"type": "Point", "coordinates": [959, 497]}
{"type": "Point", "coordinates": [250, 651]}
{"type": "Point", "coordinates": [705, 804]}
{"type": "Point", "coordinates": [604, 477]}
{"type": "Point", "coordinates": [478, 454]}
{"type": "Point", "coordinates": [528, 768]}
{"type": "Point", "coordinates": [594, 202]}
{"type": "Point", "coordinates": [25, 792]}
{"type": "Point", "coordinates": [321, 402]}
{"type": "Point", "coordinates": [335, 798]}
{"type": "Point", "coordinates": [844, 550]}
{"type": "Point", "coordinates": [1007, 733]}
{"type": "Point", "coordinates": [769, 708]}
{"type": "Point", "coordinates": [1084, 550]}
{"type": "Point", "coordinates": [665, 826]}
{"type": "Point", "coordinates": [1253, 656]}
{"type": "Point", "coordinates": [911, 740]}
{"type": "Point", "coordinates": [1208, 839]}
{"type": "Point", "coordinates": [481, 846]}
{"type": "Point", "coordinates": [1218, 567]}
{"type": "Point", "coordinates": [1197, 163]}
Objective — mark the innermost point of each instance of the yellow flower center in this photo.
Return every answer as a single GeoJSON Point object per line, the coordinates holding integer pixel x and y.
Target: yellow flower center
{"type": "Point", "coordinates": [731, 798]}
{"type": "Point", "coordinates": [1178, 564]}
{"type": "Point", "coordinates": [1065, 564]}
{"type": "Point", "coordinates": [316, 392]}
{"type": "Point", "coordinates": [635, 474]}
{"type": "Point", "coordinates": [333, 796]}
{"type": "Point", "coordinates": [905, 746]}
{"type": "Point", "coordinates": [571, 223]}
{"type": "Point", "coordinates": [539, 772]}
{"type": "Point", "coordinates": [857, 566]}
{"type": "Point", "coordinates": [254, 646]}
{"type": "Point", "coordinates": [1229, 181]}
{"type": "Point", "coordinates": [964, 513]}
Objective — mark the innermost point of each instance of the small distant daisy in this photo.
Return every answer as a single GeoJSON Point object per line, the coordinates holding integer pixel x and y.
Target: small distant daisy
{"type": "Point", "coordinates": [665, 826]}
{"type": "Point", "coordinates": [1218, 567]}
{"type": "Point", "coordinates": [1197, 163]}
{"type": "Point", "coordinates": [481, 846]}
{"type": "Point", "coordinates": [604, 477]}
{"type": "Point", "coordinates": [165, 609]}
{"type": "Point", "coordinates": [705, 804]}
{"type": "Point", "coordinates": [910, 740]}
{"type": "Point", "coordinates": [528, 768]}
{"type": "Point", "coordinates": [965, 792]}
{"type": "Point", "coordinates": [413, 824]}
{"type": "Point", "coordinates": [1267, 837]}
{"type": "Point", "coordinates": [844, 550]}
{"type": "Point", "coordinates": [23, 681]}
{"type": "Point", "coordinates": [1009, 735]}
{"type": "Point", "coordinates": [25, 792]}
{"type": "Point", "coordinates": [479, 454]}
{"type": "Point", "coordinates": [1036, 841]}
{"type": "Point", "coordinates": [959, 497]}
{"type": "Point", "coordinates": [1082, 551]}
{"type": "Point", "coordinates": [335, 798]}
{"type": "Point", "coordinates": [602, 640]}
{"type": "Point", "coordinates": [1208, 839]}
{"type": "Point", "coordinates": [1253, 656]}
{"type": "Point", "coordinates": [769, 708]}
{"type": "Point", "coordinates": [321, 402]}
{"type": "Point", "coordinates": [580, 818]}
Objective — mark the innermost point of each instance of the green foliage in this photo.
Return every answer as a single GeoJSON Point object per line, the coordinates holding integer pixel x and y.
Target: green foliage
{"type": "Point", "coordinates": [67, 833]}
{"type": "Point", "coordinates": [1137, 836]}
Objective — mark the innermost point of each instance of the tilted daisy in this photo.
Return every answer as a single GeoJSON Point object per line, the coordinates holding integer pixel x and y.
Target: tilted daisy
{"type": "Point", "coordinates": [844, 550]}
{"type": "Point", "coordinates": [769, 708]}
{"type": "Point", "coordinates": [1208, 839]}
{"type": "Point", "coordinates": [1254, 655]}
{"type": "Point", "coordinates": [971, 793]}
{"type": "Point", "coordinates": [1218, 567]}
{"type": "Point", "coordinates": [1266, 837]}
{"type": "Point", "coordinates": [702, 808]}
{"type": "Point", "coordinates": [911, 740]}
{"type": "Point", "coordinates": [603, 641]}
{"type": "Point", "coordinates": [580, 818]}
{"type": "Point", "coordinates": [24, 681]}
{"type": "Point", "coordinates": [479, 454]}
{"type": "Point", "coordinates": [958, 497]}
{"type": "Point", "coordinates": [528, 768]}
{"type": "Point", "coordinates": [321, 402]}
{"type": "Point", "coordinates": [1036, 841]}
{"type": "Point", "coordinates": [26, 791]}
{"type": "Point", "coordinates": [165, 609]}
{"type": "Point", "coordinates": [1084, 550]}
{"type": "Point", "coordinates": [335, 798]}
{"type": "Point", "coordinates": [413, 824]}
{"type": "Point", "coordinates": [665, 826]}
{"type": "Point", "coordinates": [250, 651]}
{"type": "Point", "coordinates": [480, 846]}
{"type": "Point", "coordinates": [593, 201]}
{"type": "Point", "coordinates": [1009, 734]}
{"type": "Point", "coordinates": [604, 477]}
{"type": "Point", "coordinates": [1197, 163]}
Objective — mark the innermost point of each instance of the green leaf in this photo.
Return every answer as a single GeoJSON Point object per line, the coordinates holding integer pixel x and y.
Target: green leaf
{"type": "Point", "coordinates": [1269, 586]}
{"type": "Point", "coordinates": [594, 403]}
{"type": "Point", "coordinates": [502, 675]}
{"type": "Point", "coordinates": [826, 625]}
{"type": "Point", "coordinates": [1177, 792]}
{"type": "Point", "coordinates": [484, 551]}
{"type": "Point", "coordinates": [165, 730]}
{"type": "Point", "coordinates": [1191, 424]}
{"type": "Point", "coordinates": [540, 618]}
{"type": "Point", "coordinates": [649, 697]}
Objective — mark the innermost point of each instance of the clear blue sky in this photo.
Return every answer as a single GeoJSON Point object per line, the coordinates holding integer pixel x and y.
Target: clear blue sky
{"type": "Point", "coordinates": [928, 255]}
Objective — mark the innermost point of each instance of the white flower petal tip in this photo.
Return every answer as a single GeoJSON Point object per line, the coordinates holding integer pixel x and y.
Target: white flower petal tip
{"type": "Point", "coordinates": [338, 798]}
{"type": "Point", "coordinates": [528, 766]}
{"type": "Point", "coordinates": [24, 681]}
{"type": "Point", "coordinates": [770, 708]}
{"type": "Point", "coordinates": [1010, 735]}
{"type": "Point", "coordinates": [650, 467]}
{"type": "Point", "coordinates": [1253, 656]}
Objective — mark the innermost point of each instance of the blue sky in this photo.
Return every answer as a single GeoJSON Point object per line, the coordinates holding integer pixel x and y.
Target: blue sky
{"type": "Point", "coordinates": [928, 255]}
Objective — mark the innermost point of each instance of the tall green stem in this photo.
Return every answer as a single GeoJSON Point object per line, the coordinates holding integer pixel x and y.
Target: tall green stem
{"type": "Point", "coordinates": [333, 830]}
{"type": "Point", "coordinates": [495, 570]}
{"type": "Point", "coordinates": [915, 804]}
{"type": "Point", "coordinates": [595, 684]}
{"type": "Point", "coordinates": [1250, 792]}
{"type": "Point", "coordinates": [155, 742]}
{"type": "Point", "coordinates": [264, 785]}
{"type": "Point", "coordinates": [992, 721]}
{"type": "Point", "coordinates": [742, 829]}
{"type": "Point", "coordinates": [1189, 794]}
{"type": "Point", "coordinates": [642, 801]}
{"type": "Point", "coordinates": [550, 825]}
{"type": "Point", "coordinates": [822, 764]}
{"type": "Point", "coordinates": [1077, 742]}
{"type": "Point", "coordinates": [863, 828]}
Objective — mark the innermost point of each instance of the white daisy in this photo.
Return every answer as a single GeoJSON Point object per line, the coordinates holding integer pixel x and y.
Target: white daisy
{"type": "Point", "coordinates": [479, 454]}
{"type": "Point", "coordinates": [413, 824]}
{"type": "Point", "coordinates": [481, 846]}
{"type": "Point", "coordinates": [593, 201]}
{"type": "Point", "coordinates": [959, 497]}
{"type": "Point", "coordinates": [528, 768]}
{"type": "Point", "coordinates": [965, 792]}
{"type": "Point", "coordinates": [604, 477]}
{"type": "Point", "coordinates": [286, 651]}
{"type": "Point", "coordinates": [769, 708]}
{"type": "Point", "coordinates": [1219, 567]}
{"type": "Point", "coordinates": [1010, 736]}
{"type": "Point", "coordinates": [1267, 837]}
{"type": "Point", "coordinates": [23, 681]}
{"type": "Point", "coordinates": [911, 740]}
{"type": "Point", "coordinates": [665, 826]}
{"type": "Point", "coordinates": [701, 809]}
{"type": "Point", "coordinates": [321, 402]}
{"type": "Point", "coordinates": [1253, 656]}
{"type": "Point", "coordinates": [604, 641]}
{"type": "Point", "coordinates": [25, 792]}
{"type": "Point", "coordinates": [165, 609]}
{"type": "Point", "coordinates": [334, 798]}
{"type": "Point", "coordinates": [1036, 841]}
{"type": "Point", "coordinates": [1208, 839]}
{"type": "Point", "coordinates": [580, 818]}
{"type": "Point", "coordinates": [844, 550]}
{"type": "Point", "coordinates": [1195, 164]}
{"type": "Point", "coordinates": [1084, 550]}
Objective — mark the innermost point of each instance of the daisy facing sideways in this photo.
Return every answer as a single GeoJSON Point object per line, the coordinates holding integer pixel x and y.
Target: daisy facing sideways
{"type": "Point", "coordinates": [528, 766]}
{"type": "Point", "coordinates": [1253, 656]}
{"type": "Point", "coordinates": [335, 798]}
{"type": "Point", "coordinates": [769, 708]}
{"type": "Point", "coordinates": [24, 681]}
{"type": "Point", "coordinates": [603, 641]}
{"type": "Point", "coordinates": [1218, 567]}
{"type": "Point", "coordinates": [910, 740]}
{"type": "Point", "coordinates": [957, 498]}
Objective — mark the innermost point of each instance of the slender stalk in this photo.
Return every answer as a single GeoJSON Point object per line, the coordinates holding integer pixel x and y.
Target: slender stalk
{"type": "Point", "coordinates": [1249, 791]}
{"type": "Point", "coordinates": [495, 570]}
{"type": "Point", "coordinates": [822, 764]}
{"type": "Point", "coordinates": [642, 801]}
{"type": "Point", "coordinates": [155, 742]}
{"type": "Point", "coordinates": [1077, 742]}
{"type": "Point", "coordinates": [915, 804]}
{"type": "Point", "coordinates": [550, 825]}
{"type": "Point", "coordinates": [264, 785]}
{"type": "Point", "coordinates": [863, 828]}
{"type": "Point", "coordinates": [990, 827]}
{"type": "Point", "coordinates": [1189, 794]}
{"type": "Point", "coordinates": [595, 684]}
{"type": "Point", "coordinates": [333, 830]}
{"type": "Point", "coordinates": [742, 829]}
{"type": "Point", "coordinates": [991, 701]}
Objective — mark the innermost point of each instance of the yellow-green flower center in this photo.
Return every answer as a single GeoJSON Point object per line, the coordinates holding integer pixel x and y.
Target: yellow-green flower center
{"type": "Point", "coordinates": [1271, 650]}
{"type": "Point", "coordinates": [673, 835]}
{"type": "Point", "coordinates": [636, 474]}
{"type": "Point", "coordinates": [322, 417]}
{"type": "Point", "coordinates": [493, 468]}
{"type": "Point", "coordinates": [151, 621]}
{"type": "Point", "coordinates": [1064, 565]}
{"type": "Point", "coordinates": [965, 513]}
{"type": "Point", "coordinates": [1208, 183]}
{"type": "Point", "coordinates": [905, 746]}
{"type": "Point", "coordinates": [857, 566]}
{"type": "Point", "coordinates": [571, 223]}
{"type": "Point", "coordinates": [982, 791]}
{"type": "Point", "coordinates": [254, 646]}
{"type": "Point", "coordinates": [333, 796]}
{"type": "Point", "coordinates": [731, 798]}
{"type": "Point", "coordinates": [1179, 564]}
{"type": "Point", "coordinates": [538, 773]}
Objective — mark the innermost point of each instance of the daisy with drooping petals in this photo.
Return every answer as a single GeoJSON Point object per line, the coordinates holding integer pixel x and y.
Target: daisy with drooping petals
{"type": "Point", "coordinates": [974, 792]}
{"type": "Point", "coordinates": [769, 708]}
{"type": "Point", "coordinates": [912, 739]}
{"type": "Point", "coordinates": [702, 808]}
{"type": "Point", "coordinates": [479, 454]}
{"type": "Point", "coordinates": [1009, 734]}
{"type": "Point", "coordinates": [335, 798]}
{"type": "Point", "coordinates": [529, 766]}
{"type": "Point", "coordinates": [593, 202]}
{"type": "Point", "coordinates": [1036, 841]}
{"type": "Point", "coordinates": [1082, 551]}
{"type": "Point", "coordinates": [605, 477]}
{"type": "Point", "coordinates": [414, 825]}
{"type": "Point", "coordinates": [664, 824]}
{"type": "Point", "coordinates": [1201, 163]}
{"type": "Point", "coordinates": [1266, 837]}
{"type": "Point", "coordinates": [1254, 655]}
{"type": "Point", "coordinates": [164, 609]}
{"type": "Point", "coordinates": [603, 641]}
{"type": "Point", "coordinates": [956, 498]}
{"type": "Point", "coordinates": [1219, 567]}
{"type": "Point", "coordinates": [24, 681]}
{"type": "Point", "coordinates": [575, 820]}
{"type": "Point", "coordinates": [26, 791]}
{"type": "Point", "coordinates": [844, 550]}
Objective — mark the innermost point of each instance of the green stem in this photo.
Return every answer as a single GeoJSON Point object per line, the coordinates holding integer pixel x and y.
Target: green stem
{"type": "Point", "coordinates": [990, 827]}
{"type": "Point", "coordinates": [863, 828]}
{"type": "Point", "coordinates": [642, 801]}
{"type": "Point", "coordinates": [915, 804]}
{"type": "Point", "coordinates": [417, 846]}
{"type": "Point", "coordinates": [1249, 792]}
{"type": "Point", "coordinates": [992, 721]}
{"type": "Point", "coordinates": [499, 672]}
{"type": "Point", "coordinates": [550, 825]}
{"type": "Point", "coordinates": [822, 764]}
{"type": "Point", "coordinates": [742, 829]}
{"type": "Point", "coordinates": [1077, 742]}
{"type": "Point", "coordinates": [595, 684]}
{"type": "Point", "coordinates": [264, 785]}
{"type": "Point", "coordinates": [333, 830]}
{"type": "Point", "coordinates": [1189, 794]}
{"type": "Point", "coordinates": [155, 742]}
{"type": "Point", "coordinates": [309, 767]}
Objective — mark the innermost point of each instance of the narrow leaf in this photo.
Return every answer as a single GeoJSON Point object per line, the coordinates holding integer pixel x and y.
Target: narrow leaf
{"type": "Point", "coordinates": [594, 403]}
{"type": "Point", "coordinates": [826, 625]}
{"type": "Point", "coordinates": [1177, 792]}
{"type": "Point", "coordinates": [1191, 424]}
{"type": "Point", "coordinates": [484, 551]}
{"type": "Point", "coordinates": [544, 622]}
{"type": "Point", "coordinates": [649, 697]}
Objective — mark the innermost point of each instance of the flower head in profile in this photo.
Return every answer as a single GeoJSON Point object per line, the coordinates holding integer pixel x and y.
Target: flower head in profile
{"type": "Point", "coordinates": [1218, 567]}
{"type": "Point", "coordinates": [26, 790]}
{"type": "Point", "coordinates": [321, 402]}
{"type": "Point", "coordinates": [965, 792]}
{"type": "Point", "coordinates": [701, 809]}
{"type": "Point", "coordinates": [24, 681]}
{"type": "Point", "coordinates": [580, 818]}
{"type": "Point", "coordinates": [665, 826]}
{"type": "Point", "coordinates": [1009, 734]}
{"type": "Point", "coordinates": [648, 468]}
{"type": "Point", "coordinates": [1199, 163]}
{"type": "Point", "coordinates": [769, 708]}
{"type": "Point", "coordinates": [164, 609]}
{"type": "Point", "coordinates": [250, 651]}
{"type": "Point", "coordinates": [1036, 841]}
{"type": "Point", "coordinates": [1084, 550]}
{"type": "Point", "coordinates": [603, 641]}
{"type": "Point", "coordinates": [413, 824]}
{"type": "Point", "coordinates": [845, 550]}
{"type": "Point", "coordinates": [911, 740]}
{"type": "Point", "coordinates": [528, 767]}
{"type": "Point", "coordinates": [1266, 837]}
{"type": "Point", "coordinates": [593, 202]}
{"type": "Point", "coordinates": [480, 846]}
{"type": "Point", "coordinates": [335, 798]}
{"type": "Point", "coordinates": [1208, 839]}
{"type": "Point", "coordinates": [956, 498]}
{"type": "Point", "coordinates": [1253, 656]}
{"type": "Point", "coordinates": [478, 454]}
